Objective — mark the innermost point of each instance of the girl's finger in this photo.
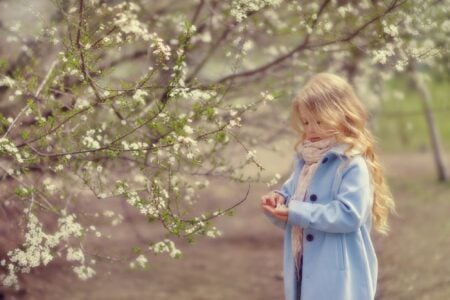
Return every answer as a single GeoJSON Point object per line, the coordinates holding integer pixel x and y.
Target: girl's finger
{"type": "Point", "coordinates": [273, 201]}
{"type": "Point", "coordinates": [265, 199]}
{"type": "Point", "coordinates": [282, 211]}
{"type": "Point", "coordinates": [279, 215]}
{"type": "Point", "coordinates": [268, 200]}
{"type": "Point", "coordinates": [277, 198]}
{"type": "Point", "coordinates": [269, 209]}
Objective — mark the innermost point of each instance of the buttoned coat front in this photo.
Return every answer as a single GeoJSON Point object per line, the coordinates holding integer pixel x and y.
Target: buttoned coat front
{"type": "Point", "coordinates": [339, 259]}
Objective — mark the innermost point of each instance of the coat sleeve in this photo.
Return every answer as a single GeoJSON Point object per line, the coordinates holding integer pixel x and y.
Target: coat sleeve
{"type": "Point", "coordinates": [286, 188]}
{"type": "Point", "coordinates": [347, 212]}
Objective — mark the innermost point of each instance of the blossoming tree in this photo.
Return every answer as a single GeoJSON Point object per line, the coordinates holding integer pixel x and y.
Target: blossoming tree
{"type": "Point", "coordinates": [140, 101]}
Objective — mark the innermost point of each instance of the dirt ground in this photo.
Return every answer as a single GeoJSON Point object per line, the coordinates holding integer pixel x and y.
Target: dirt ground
{"type": "Point", "coordinates": [246, 261]}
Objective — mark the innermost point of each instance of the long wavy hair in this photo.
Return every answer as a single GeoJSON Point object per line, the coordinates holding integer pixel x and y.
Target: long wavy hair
{"type": "Point", "coordinates": [332, 100]}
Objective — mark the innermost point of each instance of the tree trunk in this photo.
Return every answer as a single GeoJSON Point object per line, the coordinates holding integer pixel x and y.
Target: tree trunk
{"type": "Point", "coordinates": [425, 98]}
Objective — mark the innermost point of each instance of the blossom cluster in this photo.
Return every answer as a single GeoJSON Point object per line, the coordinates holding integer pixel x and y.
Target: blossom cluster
{"type": "Point", "coordinates": [250, 154]}
{"type": "Point", "coordinates": [128, 22]}
{"type": "Point", "coordinates": [201, 226]}
{"type": "Point", "coordinates": [381, 55]}
{"type": "Point", "coordinates": [141, 260]}
{"type": "Point", "coordinates": [274, 180]}
{"type": "Point", "coordinates": [166, 246]}
{"type": "Point", "coordinates": [38, 246]}
{"type": "Point", "coordinates": [83, 271]}
{"type": "Point", "coordinates": [9, 148]}
{"type": "Point", "coordinates": [7, 81]}
{"type": "Point", "coordinates": [266, 96]}
{"type": "Point", "coordinates": [241, 8]}
{"type": "Point", "coordinates": [139, 95]}
{"type": "Point", "coordinates": [145, 207]}
{"type": "Point", "coordinates": [234, 122]}
{"type": "Point", "coordinates": [190, 147]}
{"type": "Point", "coordinates": [91, 141]}
{"type": "Point", "coordinates": [134, 145]}
{"type": "Point", "coordinates": [49, 185]}
{"type": "Point", "coordinates": [193, 95]}
{"type": "Point", "coordinates": [213, 232]}
{"type": "Point", "coordinates": [160, 49]}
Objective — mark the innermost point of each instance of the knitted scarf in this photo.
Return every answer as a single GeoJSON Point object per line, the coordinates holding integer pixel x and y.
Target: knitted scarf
{"type": "Point", "coordinates": [311, 152]}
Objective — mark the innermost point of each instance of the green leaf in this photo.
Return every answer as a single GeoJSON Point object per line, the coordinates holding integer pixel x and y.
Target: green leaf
{"type": "Point", "coordinates": [230, 212]}
{"type": "Point", "coordinates": [220, 137]}
{"type": "Point", "coordinates": [22, 191]}
{"type": "Point", "coordinates": [25, 134]}
{"type": "Point", "coordinates": [3, 65]}
{"type": "Point", "coordinates": [137, 250]}
{"type": "Point", "coordinates": [190, 239]}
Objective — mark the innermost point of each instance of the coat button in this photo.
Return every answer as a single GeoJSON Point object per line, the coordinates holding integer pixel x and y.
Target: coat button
{"type": "Point", "coordinates": [309, 237]}
{"type": "Point", "coordinates": [325, 160]}
{"type": "Point", "coordinates": [313, 197]}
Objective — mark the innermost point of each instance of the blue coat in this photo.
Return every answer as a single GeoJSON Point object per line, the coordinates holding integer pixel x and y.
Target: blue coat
{"type": "Point", "coordinates": [339, 259]}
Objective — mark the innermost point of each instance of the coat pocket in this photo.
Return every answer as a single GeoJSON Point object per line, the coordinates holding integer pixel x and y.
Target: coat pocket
{"type": "Point", "coordinates": [340, 252]}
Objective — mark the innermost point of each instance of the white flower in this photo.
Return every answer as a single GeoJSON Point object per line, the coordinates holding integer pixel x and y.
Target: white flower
{"type": "Point", "coordinates": [172, 161]}
{"type": "Point", "coordinates": [166, 246]}
{"type": "Point", "coordinates": [267, 96]}
{"type": "Point", "coordinates": [142, 260]}
{"type": "Point", "coordinates": [37, 247]}
{"type": "Point", "coordinates": [342, 11]}
{"type": "Point", "coordinates": [108, 213]}
{"type": "Point", "coordinates": [81, 103]}
{"type": "Point", "coordinates": [188, 129]}
{"type": "Point", "coordinates": [75, 255]}
{"type": "Point", "coordinates": [391, 29]}
{"type": "Point", "coordinates": [129, 23]}
{"type": "Point", "coordinates": [48, 185]}
{"type": "Point", "coordinates": [214, 232]}
{"type": "Point", "coordinates": [241, 8]}
{"type": "Point", "coordinates": [84, 272]}
{"type": "Point", "coordinates": [7, 81]}
{"type": "Point", "coordinates": [274, 180]}
{"type": "Point", "coordinates": [139, 96]}
{"type": "Point", "coordinates": [248, 45]}
{"type": "Point", "coordinates": [251, 154]}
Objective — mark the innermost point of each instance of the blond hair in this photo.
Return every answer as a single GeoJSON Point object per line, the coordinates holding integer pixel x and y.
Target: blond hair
{"type": "Point", "coordinates": [332, 100]}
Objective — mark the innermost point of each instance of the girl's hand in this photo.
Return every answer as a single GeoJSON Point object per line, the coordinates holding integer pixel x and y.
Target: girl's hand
{"type": "Point", "coordinates": [280, 212]}
{"type": "Point", "coordinates": [274, 204]}
{"type": "Point", "coordinates": [272, 199]}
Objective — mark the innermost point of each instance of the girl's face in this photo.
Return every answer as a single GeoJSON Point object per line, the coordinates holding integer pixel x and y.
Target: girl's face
{"type": "Point", "coordinates": [314, 129]}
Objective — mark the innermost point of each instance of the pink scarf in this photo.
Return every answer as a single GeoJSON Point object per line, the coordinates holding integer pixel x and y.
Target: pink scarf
{"type": "Point", "coordinates": [311, 152]}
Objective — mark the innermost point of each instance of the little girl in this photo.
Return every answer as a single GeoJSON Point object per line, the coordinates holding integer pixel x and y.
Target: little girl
{"type": "Point", "coordinates": [335, 193]}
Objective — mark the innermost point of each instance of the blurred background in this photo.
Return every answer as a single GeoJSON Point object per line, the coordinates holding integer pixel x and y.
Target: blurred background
{"type": "Point", "coordinates": [395, 54]}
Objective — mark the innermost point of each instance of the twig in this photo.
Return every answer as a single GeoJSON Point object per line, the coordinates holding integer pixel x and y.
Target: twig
{"type": "Point", "coordinates": [36, 95]}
